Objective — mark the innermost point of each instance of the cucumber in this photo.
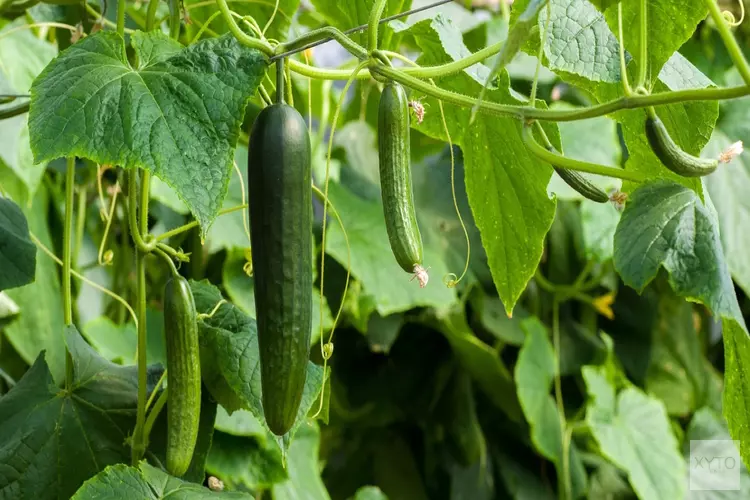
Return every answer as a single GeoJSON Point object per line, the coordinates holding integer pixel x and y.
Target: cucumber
{"type": "Point", "coordinates": [581, 185]}
{"type": "Point", "coordinates": [183, 374]}
{"type": "Point", "coordinates": [395, 178]}
{"type": "Point", "coordinates": [572, 178]}
{"type": "Point", "coordinates": [672, 156]}
{"type": "Point", "coordinates": [280, 187]}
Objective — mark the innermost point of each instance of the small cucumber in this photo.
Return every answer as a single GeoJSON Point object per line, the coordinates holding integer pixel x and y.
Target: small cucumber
{"type": "Point", "coordinates": [672, 156]}
{"type": "Point", "coordinates": [183, 374]}
{"type": "Point", "coordinates": [280, 187]}
{"type": "Point", "coordinates": [572, 178]}
{"type": "Point", "coordinates": [395, 177]}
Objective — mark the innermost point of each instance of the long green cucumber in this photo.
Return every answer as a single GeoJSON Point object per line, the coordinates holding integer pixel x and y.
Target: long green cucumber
{"type": "Point", "coordinates": [572, 178]}
{"type": "Point", "coordinates": [672, 156]}
{"type": "Point", "coordinates": [280, 188]}
{"type": "Point", "coordinates": [183, 374]}
{"type": "Point", "coordinates": [395, 177]}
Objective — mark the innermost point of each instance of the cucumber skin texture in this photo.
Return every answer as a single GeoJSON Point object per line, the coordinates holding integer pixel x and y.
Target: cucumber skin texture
{"type": "Point", "coordinates": [395, 177]}
{"type": "Point", "coordinates": [183, 374]}
{"type": "Point", "coordinates": [280, 189]}
{"type": "Point", "coordinates": [672, 156]}
{"type": "Point", "coordinates": [581, 185]}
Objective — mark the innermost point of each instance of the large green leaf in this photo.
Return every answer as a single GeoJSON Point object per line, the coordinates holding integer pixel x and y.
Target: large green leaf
{"type": "Point", "coordinates": [727, 187]}
{"type": "Point", "coordinates": [53, 439]}
{"type": "Point", "coordinates": [506, 186]}
{"type": "Point", "coordinates": [666, 225]}
{"type": "Point", "coordinates": [302, 465]}
{"type": "Point", "coordinates": [534, 374]}
{"type": "Point", "coordinates": [39, 326]}
{"type": "Point", "coordinates": [633, 431]}
{"type": "Point", "coordinates": [17, 251]}
{"type": "Point", "coordinates": [22, 57]}
{"type": "Point", "coordinates": [177, 112]}
{"type": "Point", "coordinates": [146, 483]}
{"type": "Point", "coordinates": [670, 24]}
{"type": "Point", "coordinates": [230, 338]}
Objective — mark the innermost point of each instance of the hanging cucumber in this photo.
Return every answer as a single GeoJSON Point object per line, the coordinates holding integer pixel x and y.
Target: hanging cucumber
{"type": "Point", "coordinates": [572, 178]}
{"type": "Point", "coordinates": [395, 180]}
{"type": "Point", "coordinates": [280, 188]}
{"type": "Point", "coordinates": [671, 155]}
{"type": "Point", "coordinates": [183, 374]}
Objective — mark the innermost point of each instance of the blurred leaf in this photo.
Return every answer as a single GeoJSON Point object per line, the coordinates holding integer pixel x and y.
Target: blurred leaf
{"type": "Point", "coordinates": [480, 360]}
{"type": "Point", "coordinates": [39, 326]}
{"type": "Point", "coordinates": [302, 466]}
{"type": "Point", "coordinates": [240, 288]}
{"type": "Point", "coordinates": [708, 424]}
{"type": "Point", "coordinates": [395, 469]}
{"type": "Point", "coordinates": [382, 331]}
{"type": "Point", "coordinates": [231, 339]}
{"type": "Point", "coordinates": [372, 259]}
{"type": "Point", "coordinates": [116, 343]}
{"type": "Point", "coordinates": [633, 431]}
{"type": "Point", "coordinates": [246, 462]}
{"type": "Point", "coordinates": [457, 409]}
{"type": "Point", "coordinates": [599, 223]}
{"type": "Point", "coordinates": [345, 15]}
{"type": "Point", "coordinates": [261, 12]}
{"type": "Point", "coordinates": [161, 192]}
{"type": "Point", "coordinates": [17, 251]}
{"type": "Point", "coordinates": [228, 232]}
{"type": "Point", "coordinates": [239, 423]}
{"type": "Point", "coordinates": [53, 440]}
{"type": "Point", "coordinates": [369, 493]}
{"type": "Point", "coordinates": [475, 482]}
{"type": "Point", "coordinates": [148, 483]}
{"type": "Point", "coordinates": [534, 374]}
{"type": "Point", "coordinates": [493, 317]}
{"type": "Point", "coordinates": [519, 481]}
{"type": "Point", "coordinates": [23, 57]}
{"type": "Point", "coordinates": [608, 482]}
{"type": "Point", "coordinates": [676, 372]}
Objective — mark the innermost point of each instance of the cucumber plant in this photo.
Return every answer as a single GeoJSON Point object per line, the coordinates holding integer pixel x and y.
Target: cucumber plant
{"type": "Point", "coordinates": [446, 387]}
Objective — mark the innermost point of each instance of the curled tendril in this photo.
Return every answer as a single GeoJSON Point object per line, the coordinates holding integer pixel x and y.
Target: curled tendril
{"type": "Point", "coordinates": [729, 16]}
{"type": "Point", "coordinates": [450, 280]}
{"type": "Point", "coordinates": [107, 258]}
{"type": "Point", "coordinates": [213, 311]}
{"type": "Point", "coordinates": [327, 350]}
{"type": "Point", "coordinates": [248, 267]}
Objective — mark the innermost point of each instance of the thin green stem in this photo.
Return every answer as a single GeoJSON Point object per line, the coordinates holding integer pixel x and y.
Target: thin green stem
{"type": "Point", "coordinates": [154, 414]}
{"type": "Point", "coordinates": [372, 26]}
{"type": "Point", "coordinates": [139, 443]}
{"type": "Point", "coordinates": [70, 178]}
{"type": "Point", "coordinates": [80, 226]}
{"type": "Point", "coordinates": [240, 35]}
{"type": "Point", "coordinates": [270, 19]}
{"type": "Point", "coordinates": [623, 66]}
{"type": "Point", "coordinates": [135, 229]}
{"type": "Point", "coordinates": [643, 48]}
{"type": "Point", "coordinates": [151, 398]}
{"type": "Point", "coordinates": [121, 17]}
{"type": "Point", "coordinates": [153, 5]}
{"type": "Point", "coordinates": [562, 115]}
{"type": "Point", "coordinates": [735, 53]}
{"type": "Point", "coordinates": [81, 277]}
{"type": "Point", "coordinates": [174, 19]}
{"type": "Point", "coordinates": [326, 32]}
{"type": "Point", "coordinates": [280, 81]}
{"type": "Point", "coordinates": [191, 225]}
{"type": "Point", "coordinates": [170, 263]}
{"type": "Point", "coordinates": [564, 479]}
{"type": "Point", "coordinates": [205, 26]}
{"type": "Point", "coordinates": [16, 110]}
{"type": "Point", "coordinates": [561, 161]}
